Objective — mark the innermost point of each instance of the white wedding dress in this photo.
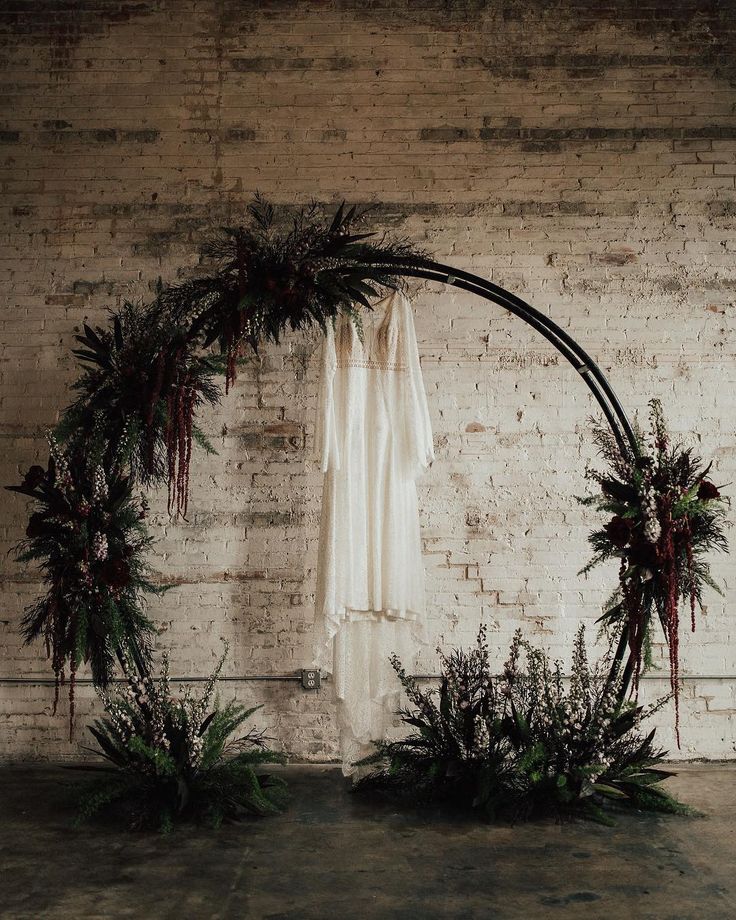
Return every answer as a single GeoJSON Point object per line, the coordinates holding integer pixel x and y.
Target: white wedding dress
{"type": "Point", "coordinates": [373, 438]}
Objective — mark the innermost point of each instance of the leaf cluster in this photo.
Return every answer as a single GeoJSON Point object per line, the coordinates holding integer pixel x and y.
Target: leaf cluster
{"type": "Point", "coordinates": [88, 536]}
{"type": "Point", "coordinates": [271, 275]}
{"type": "Point", "coordinates": [173, 758]}
{"type": "Point", "coordinates": [129, 371]}
{"type": "Point", "coordinates": [524, 743]}
{"type": "Point", "coordinates": [661, 493]}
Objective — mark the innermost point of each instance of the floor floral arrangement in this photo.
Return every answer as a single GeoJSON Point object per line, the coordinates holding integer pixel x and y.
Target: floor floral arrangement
{"type": "Point", "coordinates": [174, 758]}
{"type": "Point", "coordinates": [526, 743]}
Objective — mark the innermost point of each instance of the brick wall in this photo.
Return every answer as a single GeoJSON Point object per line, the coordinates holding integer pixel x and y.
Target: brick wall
{"type": "Point", "coordinates": [580, 154]}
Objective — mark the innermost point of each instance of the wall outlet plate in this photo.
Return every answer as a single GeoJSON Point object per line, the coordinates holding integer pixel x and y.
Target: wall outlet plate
{"type": "Point", "coordinates": [310, 678]}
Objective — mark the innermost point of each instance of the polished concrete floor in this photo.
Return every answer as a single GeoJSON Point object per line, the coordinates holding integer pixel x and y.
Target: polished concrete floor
{"type": "Point", "coordinates": [337, 855]}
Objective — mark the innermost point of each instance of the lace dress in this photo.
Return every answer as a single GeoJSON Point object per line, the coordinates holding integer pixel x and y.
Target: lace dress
{"type": "Point", "coordinates": [373, 438]}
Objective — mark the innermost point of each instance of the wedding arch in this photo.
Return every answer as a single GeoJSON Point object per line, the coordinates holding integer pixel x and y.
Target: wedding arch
{"type": "Point", "coordinates": [147, 375]}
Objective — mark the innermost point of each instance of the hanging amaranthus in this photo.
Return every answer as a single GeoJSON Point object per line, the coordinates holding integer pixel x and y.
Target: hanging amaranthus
{"type": "Point", "coordinates": [156, 383]}
{"type": "Point", "coordinates": [665, 516]}
{"type": "Point", "coordinates": [232, 344]}
{"type": "Point", "coordinates": [179, 433]}
{"type": "Point", "coordinates": [88, 533]}
{"type": "Point", "coordinates": [145, 375]}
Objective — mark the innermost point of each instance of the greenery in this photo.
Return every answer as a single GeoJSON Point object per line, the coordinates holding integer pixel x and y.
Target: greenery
{"type": "Point", "coordinates": [664, 517]}
{"type": "Point", "coordinates": [272, 275]}
{"type": "Point", "coordinates": [525, 743]}
{"type": "Point", "coordinates": [89, 537]}
{"type": "Point", "coordinates": [145, 379]}
{"type": "Point", "coordinates": [174, 758]}
{"type": "Point", "coordinates": [137, 376]}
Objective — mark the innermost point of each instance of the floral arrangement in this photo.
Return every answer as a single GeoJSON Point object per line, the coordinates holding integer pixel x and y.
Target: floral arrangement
{"type": "Point", "coordinates": [89, 536]}
{"type": "Point", "coordinates": [523, 744]}
{"type": "Point", "coordinates": [664, 516]}
{"type": "Point", "coordinates": [141, 386]}
{"type": "Point", "coordinates": [144, 380]}
{"type": "Point", "coordinates": [173, 757]}
{"type": "Point", "coordinates": [271, 277]}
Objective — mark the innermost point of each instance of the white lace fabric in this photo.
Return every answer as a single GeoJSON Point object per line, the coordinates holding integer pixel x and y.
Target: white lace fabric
{"type": "Point", "coordinates": [373, 438]}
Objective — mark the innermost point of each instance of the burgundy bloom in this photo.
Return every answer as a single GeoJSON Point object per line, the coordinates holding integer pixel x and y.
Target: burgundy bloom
{"type": "Point", "coordinates": [618, 531]}
{"type": "Point", "coordinates": [116, 573]}
{"type": "Point", "coordinates": [659, 480]}
{"type": "Point", "coordinates": [36, 526]}
{"type": "Point", "coordinates": [34, 477]}
{"type": "Point", "coordinates": [707, 491]}
{"type": "Point", "coordinates": [644, 554]}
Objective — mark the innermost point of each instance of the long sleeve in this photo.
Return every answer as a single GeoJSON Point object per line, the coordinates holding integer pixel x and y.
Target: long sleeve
{"type": "Point", "coordinates": [326, 447]}
{"type": "Point", "coordinates": [418, 426]}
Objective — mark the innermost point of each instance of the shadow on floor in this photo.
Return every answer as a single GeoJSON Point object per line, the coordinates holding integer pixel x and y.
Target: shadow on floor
{"type": "Point", "coordinates": [337, 855]}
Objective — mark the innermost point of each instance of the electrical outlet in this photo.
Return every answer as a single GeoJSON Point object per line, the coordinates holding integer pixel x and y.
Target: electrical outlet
{"type": "Point", "coordinates": [310, 679]}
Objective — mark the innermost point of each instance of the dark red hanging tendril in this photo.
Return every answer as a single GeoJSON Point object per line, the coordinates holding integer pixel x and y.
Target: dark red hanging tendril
{"type": "Point", "coordinates": [688, 536]}
{"type": "Point", "coordinates": [54, 637]}
{"type": "Point", "coordinates": [671, 607]}
{"type": "Point", "coordinates": [48, 636]}
{"type": "Point", "coordinates": [231, 369]}
{"type": "Point", "coordinates": [72, 685]}
{"type": "Point", "coordinates": [179, 433]}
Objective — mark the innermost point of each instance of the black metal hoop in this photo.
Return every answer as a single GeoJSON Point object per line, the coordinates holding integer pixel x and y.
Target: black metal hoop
{"type": "Point", "coordinates": [593, 376]}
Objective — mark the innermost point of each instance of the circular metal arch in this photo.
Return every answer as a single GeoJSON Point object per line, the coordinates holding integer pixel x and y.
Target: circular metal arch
{"type": "Point", "coordinates": [593, 376]}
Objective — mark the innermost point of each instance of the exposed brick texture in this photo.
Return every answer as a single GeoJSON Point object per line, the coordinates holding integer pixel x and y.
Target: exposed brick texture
{"type": "Point", "coordinates": [581, 154]}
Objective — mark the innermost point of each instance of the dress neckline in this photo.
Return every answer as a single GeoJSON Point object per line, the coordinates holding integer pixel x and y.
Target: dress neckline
{"type": "Point", "coordinates": [379, 346]}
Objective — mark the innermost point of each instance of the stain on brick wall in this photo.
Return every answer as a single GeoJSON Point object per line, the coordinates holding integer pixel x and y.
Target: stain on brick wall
{"type": "Point", "coordinates": [579, 154]}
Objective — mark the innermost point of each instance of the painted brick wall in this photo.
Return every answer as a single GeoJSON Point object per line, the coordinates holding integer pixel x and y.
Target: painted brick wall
{"type": "Point", "coordinates": [580, 154]}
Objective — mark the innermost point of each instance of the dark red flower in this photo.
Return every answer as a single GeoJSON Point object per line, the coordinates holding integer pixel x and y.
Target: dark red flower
{"type": "Point", "coordinates": [34, 477]}
{"type": "Point", "coordinates": [707, 491]}
{"type": "Point", "coordinates": [618, 531]}
{"type": "Point", "coordinates": [659, 481]}
{"type": "Point", "coordinates": [644, 554]}
{"type": "Point", "coordinates": [36, 526]}
{"type": "Point", "coordinates": [116, 573]}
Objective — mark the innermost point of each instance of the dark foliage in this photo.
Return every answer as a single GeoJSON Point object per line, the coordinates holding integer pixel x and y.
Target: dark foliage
{"type": "Point", "coordinates": [143, 382]}
{"type": "Point", "coordinates": [664, 517]}
{"type": "Point", "coordinates": [145, 378]}
{"type": "Point", "coordinates": [88, 535]}
{"type": "Point", "coordinates": [175, 759]}
{"type": "Point", "coordinates": [522, 745]}
{"type": "Point", "coordinates": [270, 278]}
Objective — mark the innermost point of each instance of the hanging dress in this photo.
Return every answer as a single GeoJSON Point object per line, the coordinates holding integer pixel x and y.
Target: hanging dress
{"type": "Point", "coordinates": [373, 438]}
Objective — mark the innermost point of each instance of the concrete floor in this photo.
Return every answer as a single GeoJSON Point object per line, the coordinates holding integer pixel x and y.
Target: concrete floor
{"type": "Point", "coordinates": [336, 855]}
